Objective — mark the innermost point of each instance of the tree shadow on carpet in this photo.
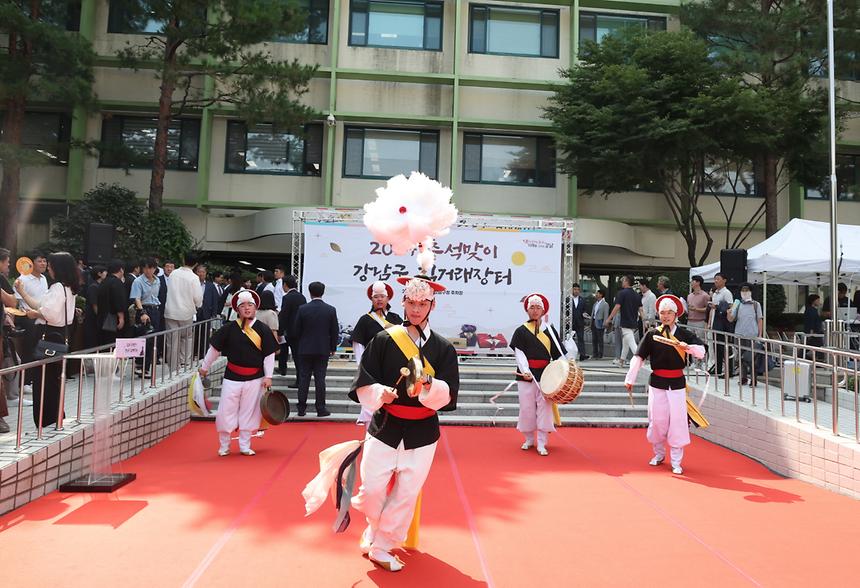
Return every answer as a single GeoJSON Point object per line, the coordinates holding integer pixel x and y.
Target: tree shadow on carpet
{"type": "Point", "coordinates": [755, 492]}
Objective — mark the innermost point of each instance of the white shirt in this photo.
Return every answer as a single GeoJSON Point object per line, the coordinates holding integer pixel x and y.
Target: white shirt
{"type": "Point", "coordinates": [721, 295]}
{"type": "Point", "coordinates": [184, 296]}
{"type": "Point", "coordinates": [51, 306]}
{"type": "Point", "coordinates": [279, 293]}
{"type": "Point", "coordinates": [35, 287]}
{"type": "Point", "coordinates": [649, 305]}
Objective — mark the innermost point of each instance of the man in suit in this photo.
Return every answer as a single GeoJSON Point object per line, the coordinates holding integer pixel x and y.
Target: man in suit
{"type": "Point", "coordinates": [577, 308]}
{"type": "Point", "coordinates": [291, 300]}
{"type": "Point", "coordinates": [112, 304]}
{"type": "Point", "coordinates": [599, 313]}
{"type": "Point", "coordinates": [208, 309]}
{"type": "Point", "coordinates": [317, 334]}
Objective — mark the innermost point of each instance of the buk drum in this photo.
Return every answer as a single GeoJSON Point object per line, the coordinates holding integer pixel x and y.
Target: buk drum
{"type": "Point", "coordinates": [275, 406]}
{"type": "Point", "coordinates": [561, 381]}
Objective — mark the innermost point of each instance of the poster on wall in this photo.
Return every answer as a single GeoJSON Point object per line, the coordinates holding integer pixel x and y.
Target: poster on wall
{"type": "Point", "coordinates": [488, 272]}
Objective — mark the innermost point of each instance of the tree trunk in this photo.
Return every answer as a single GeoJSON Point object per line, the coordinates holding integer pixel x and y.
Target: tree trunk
{"type": "Point", "coordinates": [165, 102]}
{"type": "Point", "coordinates": [771, 216]}
{"type": "Point", "coordinates": [10, 188]}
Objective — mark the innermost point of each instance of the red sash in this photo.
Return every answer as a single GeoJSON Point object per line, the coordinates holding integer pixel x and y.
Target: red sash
{"type": "Point", "coordinates": [538, 363]}
{"type": "Point", "coordinates": [242, 370]}
{"type": "Point", "coordinates": [412, 413]}
{"type": "Point", "coordinates": [669, 373]}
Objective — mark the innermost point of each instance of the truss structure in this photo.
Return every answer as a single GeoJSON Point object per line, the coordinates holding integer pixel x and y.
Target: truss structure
{"type": "Point", "coordinates": [467, 221]}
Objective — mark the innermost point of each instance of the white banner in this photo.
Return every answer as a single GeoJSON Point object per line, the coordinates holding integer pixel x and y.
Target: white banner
{"type": "Point", "coordinates": [487, 273]}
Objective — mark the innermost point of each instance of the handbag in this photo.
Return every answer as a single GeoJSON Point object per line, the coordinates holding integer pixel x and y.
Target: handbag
{"type": "Point", "coordinates": [49, 349]}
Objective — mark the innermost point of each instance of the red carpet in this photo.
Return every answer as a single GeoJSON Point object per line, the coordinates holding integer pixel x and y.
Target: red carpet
{"type": "Point", "coordinates": [591, 514]}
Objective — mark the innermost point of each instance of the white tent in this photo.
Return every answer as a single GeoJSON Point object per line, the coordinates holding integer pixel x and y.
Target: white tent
{"type": "Point", "coordinates": [799, 253]}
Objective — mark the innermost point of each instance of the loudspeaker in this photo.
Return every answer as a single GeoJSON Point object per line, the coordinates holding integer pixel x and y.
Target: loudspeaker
{"type": "Point", "coordinates": [99, 246]}
{"type": "Point", "coordinates": [733, 265]}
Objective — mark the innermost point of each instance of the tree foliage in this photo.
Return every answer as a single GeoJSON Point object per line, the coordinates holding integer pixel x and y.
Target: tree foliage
{"type": "Point", "coordinates": [40, 61]}
{"type": "Point", "coordinates": [222, 43]}
{"type": "Point", "coordinates": [777, 48]}
{"type": "Point", "coordinates": [644, 110]}
{"type": "Point", "coordinates": [106, 203]}
{"type": "Point", "coordinates": [164, 233]}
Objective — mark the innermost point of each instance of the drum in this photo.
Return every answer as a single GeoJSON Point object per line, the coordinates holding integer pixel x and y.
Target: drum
{"type": "Point", "coordinates": [275, 406]}
{"type": "Point", "coordinates": [562, 381]}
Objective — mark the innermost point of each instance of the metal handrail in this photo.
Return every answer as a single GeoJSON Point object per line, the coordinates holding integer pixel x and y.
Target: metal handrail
{"type": "Point", "coordinates": [838, 364]}
{"type": "Point", "coordinates": [159, 340]}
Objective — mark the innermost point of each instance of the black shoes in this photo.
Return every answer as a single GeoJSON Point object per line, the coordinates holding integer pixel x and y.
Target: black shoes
{"type": "Point", "coordinates": [302, 412]}
{"type": "Point", "coordinates": [323, 413]}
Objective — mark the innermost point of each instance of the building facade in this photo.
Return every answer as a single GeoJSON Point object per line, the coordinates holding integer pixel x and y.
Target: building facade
{"type": "Point", "coordinates": [452, 88]}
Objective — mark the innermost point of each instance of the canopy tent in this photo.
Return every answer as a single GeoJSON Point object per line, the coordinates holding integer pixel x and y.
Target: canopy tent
{"type": "Point", "coordinates": [799, 253]}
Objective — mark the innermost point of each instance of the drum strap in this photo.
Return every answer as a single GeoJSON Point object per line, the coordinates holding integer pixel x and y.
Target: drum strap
{"type": "Point", "coordinates": [693, 413]}
{"type": "Point", "coordinates": [407, 346]}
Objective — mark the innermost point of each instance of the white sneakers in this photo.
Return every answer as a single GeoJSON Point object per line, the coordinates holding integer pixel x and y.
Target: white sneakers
{"type": "Point", "coordinates": [657, 460]}
{"type": "Point", "coordinates": [248, 452]}
{"type": "Point", "coordinates": [527, 445]}
{"type": "Point", "coordinates": [542, 450]}
{"type": "Point", "coordinates": [366, 541]}
{"type": "Point", "coordinates": [223, 452]}
{"type": "Point", "coordinates": [385, 560]}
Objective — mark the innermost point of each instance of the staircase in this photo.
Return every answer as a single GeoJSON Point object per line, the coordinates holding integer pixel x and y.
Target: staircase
{"type": "Point", "coordinates": [603, 402]}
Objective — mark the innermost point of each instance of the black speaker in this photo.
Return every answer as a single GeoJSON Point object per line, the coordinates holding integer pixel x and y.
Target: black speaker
{"type": "Point", "coordinates": [100, 238]}
{"type": "Point", "coordinates": [733, 265]}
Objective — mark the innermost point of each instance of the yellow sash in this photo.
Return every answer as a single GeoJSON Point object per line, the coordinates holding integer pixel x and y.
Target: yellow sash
{"type": "Point", "coordinates": [693, 411]}
{"type": "Point", "coordinates": [253, 335]}
{"type": "Point", "coordinates": [541, 336]}
{"type": "Point", "coordinates": [379, 319]}
{"type": "Point", "coordinates": [407, 346]}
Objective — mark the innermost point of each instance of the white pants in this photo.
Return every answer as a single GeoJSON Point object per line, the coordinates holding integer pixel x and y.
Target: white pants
{"type": "Point", "coordinates": [389, 515]}
{"type": "Point", "coordinates": [239, 409]}
{"type": "Point", "coordinates": [667, 421]}
{"type": "Point", "coordinates": [628, 342]}
{"type": "Point", "coordinates": [535, 413]}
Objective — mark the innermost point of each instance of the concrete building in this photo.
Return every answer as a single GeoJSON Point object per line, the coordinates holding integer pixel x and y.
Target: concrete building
{"type": "Point", "coordinates": [451, 87]}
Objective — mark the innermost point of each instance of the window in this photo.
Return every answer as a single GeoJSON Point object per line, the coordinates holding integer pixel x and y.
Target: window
{"type": "Point", "coordinates": [404, 24]}
{"type": "Point", "coordinates": [65, 15]}
{"type": "Point", "coordinates": [262, 149]}
{"type": "Point", "coordinates": [47, 134]}
{"type": "Point", "coordinates": [730, 178]}
{"type": "Point", "coordinates": [847, 180]}
{"type": "Point", "coordinates": [509, 159]}
{"type": "Point", "coordinates": [497, 30]}
{"type": "Point", "coordinates": [130, 16]}
{"type": "Point", "coordinates": [129, 141]}
{"type": "Point", "coordinates": [593, 26]}
{"type": "Point", "coordinates": [382, 153]}
{"type": "Point", "coordinates": [316, 30]}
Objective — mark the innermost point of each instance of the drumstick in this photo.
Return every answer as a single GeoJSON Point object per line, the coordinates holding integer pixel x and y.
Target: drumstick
{"type": "Point", "coordinates": [404, 373]}
{"type": "Point", "coordinates": [665, 341]}
{"type": "Point", "coordinates": [630, 395]}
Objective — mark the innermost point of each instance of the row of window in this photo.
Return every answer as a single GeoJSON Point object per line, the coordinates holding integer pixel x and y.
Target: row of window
{"type": "Point", "coordinates": [417, 24]}
{"type": "Point", "coordinates": [368, 152]}
{"type": "Point", "coordinates": [128, 141]}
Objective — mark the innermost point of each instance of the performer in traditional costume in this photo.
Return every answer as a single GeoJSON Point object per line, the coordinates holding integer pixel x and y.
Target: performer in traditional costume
{"type": "Point", "coordinates": [250, 349]}
{"type": "Point", "coordinates": [666, 347]}
{"type": "Point", "coordinates": [401, 440]}
{"type": "Point", "coordinates": [534, 347]}
{"type": "Point", "coordinates": [369, 324]}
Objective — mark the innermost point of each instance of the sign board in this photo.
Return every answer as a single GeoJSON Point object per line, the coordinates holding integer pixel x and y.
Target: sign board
{"type": "Point", "coordinates": [487, 273]}
{"type": "Point", "coordinates": [129, 348]}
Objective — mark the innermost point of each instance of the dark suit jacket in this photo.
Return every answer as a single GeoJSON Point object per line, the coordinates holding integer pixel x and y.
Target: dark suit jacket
{"type": "Point", "coordinates": [316, 328]}
{"type": "Point", "coordinates": [111, 298]}
{"type": "Point", "coordinates": [578, 319]}
{"type": "Point", "coordinates": [162, 291]}
{"type": "Point", "coordinates": [290, 303]}
{"type": "Point", "coordinates": [209, 308]}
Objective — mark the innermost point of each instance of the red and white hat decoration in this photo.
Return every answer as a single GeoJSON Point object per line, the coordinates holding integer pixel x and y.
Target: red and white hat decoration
{"type": "Point", "coordinates": [670, 302]}
{"type": "Point", "coordinates": [380, 287]}
{"type": "Point", "coordinates": [244, 296]}
{"type": "Point", "coordinates": [536, 298]}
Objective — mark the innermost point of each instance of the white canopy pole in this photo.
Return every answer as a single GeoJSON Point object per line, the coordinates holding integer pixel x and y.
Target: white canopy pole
{"type": "Point", "coordinates": [764, 304]}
